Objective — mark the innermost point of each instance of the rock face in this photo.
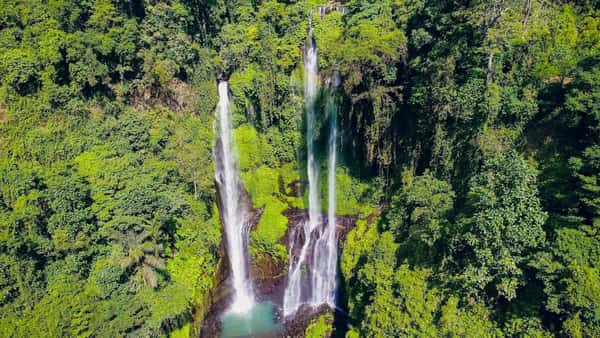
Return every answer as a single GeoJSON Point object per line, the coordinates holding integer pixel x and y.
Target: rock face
{"type": "Point", "coordinates": [305, 314]}
{"type": "Point", "coordinates": [332, 6]}
{"type": "Point", "coordinates": [268, 277]}
{"type": "Point", "coordinates": [210, 325]}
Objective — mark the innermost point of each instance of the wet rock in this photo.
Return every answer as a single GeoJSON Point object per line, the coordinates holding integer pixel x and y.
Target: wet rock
{"type": "Point", "coordinates": [295, 326]}
{"type": "Point", "coordinates": [268, 276]}
{"type": "Point", "coordinates": [210, 325]}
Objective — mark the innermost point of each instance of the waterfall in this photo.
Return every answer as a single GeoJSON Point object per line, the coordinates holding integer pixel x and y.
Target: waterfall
{"type": "Point", "coordinates": [234, 210]}
{"type": "Point", "coordinates": [293, 293]}
{"type": "Point", "coordinates": [325, 250]}
{"type": "Point", "coordinates": [320, 243]}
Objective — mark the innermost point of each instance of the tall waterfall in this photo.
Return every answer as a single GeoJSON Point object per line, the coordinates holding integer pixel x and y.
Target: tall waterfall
{"type": "Point", "coordinates": [293, 293]}
{"type": "Point", "coordinates": [325, 250]}
{"type": "Point", "coordinates": [317, 285]}
{"type": "Point", "coordinates": [234, 211]}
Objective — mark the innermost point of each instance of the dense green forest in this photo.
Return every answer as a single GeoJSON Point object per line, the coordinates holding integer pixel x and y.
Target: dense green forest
{"type": "Point", "coordinates": [470, 159]}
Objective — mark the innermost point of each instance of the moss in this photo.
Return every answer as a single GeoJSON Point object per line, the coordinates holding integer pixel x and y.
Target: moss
{"type": "Point", "coordinates": [320, 327]}
{"type": "Point", "coordinates": [349, 193]}
{"type": "Point", "coordinates": [253, 150]}
{"type": "Point", "coordinates": [183, 332]}
{"type": "Point", "coordinates": [289, 175]}
{"type": "Point", "coordinates": [272, 225]}
{"type": "Point", "coordinates": [262, 184]}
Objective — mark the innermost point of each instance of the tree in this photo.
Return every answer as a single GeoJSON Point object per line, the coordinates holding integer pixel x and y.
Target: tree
{"type": "Point", "coordinates": [408, 308]}
{"type": "Point", "coordinates": [501, 227]}
{"type": "Point", "coordinates": [143, 256]}
{"type": "Point", "coordinates": [419, 212]}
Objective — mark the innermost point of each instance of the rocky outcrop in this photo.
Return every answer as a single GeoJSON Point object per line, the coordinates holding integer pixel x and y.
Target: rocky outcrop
{"type": "Point", "coordinates": [296, 326]}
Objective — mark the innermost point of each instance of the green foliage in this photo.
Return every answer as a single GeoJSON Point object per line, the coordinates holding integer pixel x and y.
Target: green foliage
{"type": "Point", "coordinates": [183, 332]}
{"type": "Point", "coordinates": [350, 194]}
{"type": "Point", "coordinates": [404, 307]}
{"type": "Point", "coordinates": [357, 246]}
{"type": "Point", "coordinates": [107, 226]}
{"type": "Point", "coordinates": [503, 226]}
{"type": "Point", "coordinates": [419, 212]}
{"type": "Point", "coordinates": [109, 222]}
{"type": "Point", "coordinates": [320, 327]}
{"type": "Point", "coordinates": [472, 321]}
{"type": "Point", "coordinates": [272, 227]}
{"type": "Point", "coordinates": [262, 183]}
{"type": "Point", "coordinates": [252, 149]}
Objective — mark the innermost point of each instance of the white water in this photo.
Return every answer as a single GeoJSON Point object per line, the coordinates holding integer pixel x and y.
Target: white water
{"type": "Point", "coordinates": [322, 240]}
{"type": "Point", "coordinates": [234, 210]}
{"type": "Point", "coordinates": [325, 251]}
{"type": "Point", "coordinates": [293, 293]}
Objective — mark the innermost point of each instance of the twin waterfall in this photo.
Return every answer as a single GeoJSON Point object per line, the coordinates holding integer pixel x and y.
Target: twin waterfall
{"type": "Point", "coordinates": [312, 272]}
{"type": "Point", "coordinates": [233, 210]}
{"type": "Point", "coordinates": [314, 284]}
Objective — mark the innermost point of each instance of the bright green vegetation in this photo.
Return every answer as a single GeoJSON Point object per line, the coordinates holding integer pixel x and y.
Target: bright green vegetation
{"type": "Point", "coordinates": [106, 220]}
{"type": "Point", "coordinates": [320, 327]}
{"type": "Point", "coordinates": [103, 232]}
{"type": "Point", "coordinates": [469, 154]}
{"type": "Point", "coordinates": [488, 124]}
{"type": "Point", "coordinates": [351, 194]}
{"type": "Point", "coordinates": [263, 181]}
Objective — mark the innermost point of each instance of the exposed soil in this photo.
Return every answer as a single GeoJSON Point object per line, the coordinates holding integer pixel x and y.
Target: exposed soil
{"type": "Point", "coordinates": [2, 113]}
{"type": "Point", "coordinates": [178, 97]}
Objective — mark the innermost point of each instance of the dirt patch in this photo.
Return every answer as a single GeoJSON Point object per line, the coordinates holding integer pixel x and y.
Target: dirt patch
{"type": "Point", "coordinates": [563, 81]}
{"type": "Point", "coordinates": [180, 97]}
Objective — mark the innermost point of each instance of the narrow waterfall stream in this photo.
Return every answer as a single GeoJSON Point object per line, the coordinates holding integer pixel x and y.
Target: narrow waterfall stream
{"type": "Point", "coordinates": [325, 251]}
{"type": "Point", "coordinates": [314, 284]}
{"type": "Point", "coordinates": [293, 292]}
{"type": "Point", "coordinates": [244, 317]}
{"type": "Point", "coordinates": [234, 210]}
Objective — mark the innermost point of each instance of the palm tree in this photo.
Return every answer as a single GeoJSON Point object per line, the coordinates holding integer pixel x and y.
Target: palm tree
{"type": "Point", "coordinates": [143, 257]}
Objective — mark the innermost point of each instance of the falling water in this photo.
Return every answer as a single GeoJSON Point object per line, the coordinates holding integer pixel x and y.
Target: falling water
{"type": "Point", "coordinates": [320, 243]}
{"type": "Point", "coordinates": [325, 250]}
{"type": "Point", "coordinates": [293, 292]}
{"type": "Point", "coordinates": [234, 211]}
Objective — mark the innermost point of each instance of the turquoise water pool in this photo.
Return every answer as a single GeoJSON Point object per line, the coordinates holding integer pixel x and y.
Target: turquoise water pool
{"type": "Point", "coordinates": [259, 321]}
